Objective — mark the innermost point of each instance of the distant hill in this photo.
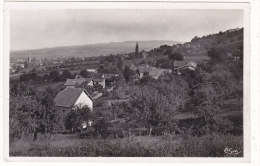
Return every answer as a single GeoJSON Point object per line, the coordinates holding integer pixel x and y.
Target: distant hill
{"type": "Point", "coordinates": [90, 50]}
{"type": "Point", "coordinates": [230, 41]}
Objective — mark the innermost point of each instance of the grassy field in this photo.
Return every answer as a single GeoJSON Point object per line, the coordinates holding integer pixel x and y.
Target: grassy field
{"type": "Point", "coordinates": [139, 146]}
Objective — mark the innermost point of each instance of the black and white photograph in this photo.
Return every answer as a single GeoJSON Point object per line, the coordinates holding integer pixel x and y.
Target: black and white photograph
{"type": "Point", "coordinates": [128, 82]}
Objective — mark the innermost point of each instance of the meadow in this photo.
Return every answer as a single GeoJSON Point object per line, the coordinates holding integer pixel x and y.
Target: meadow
{"type": "Point", "coordinates": [70, 145]}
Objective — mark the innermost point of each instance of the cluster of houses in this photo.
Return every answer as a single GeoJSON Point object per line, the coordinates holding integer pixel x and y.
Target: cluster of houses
{"type": "Point", "coordinates": [75, 96]}
{"type": "Point", "coordinates": [29, 63]}
{"type": "Point", "coordinates": [155, 72]}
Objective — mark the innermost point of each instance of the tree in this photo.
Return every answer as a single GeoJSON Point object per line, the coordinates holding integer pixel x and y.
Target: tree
{"type": "Point", "coordinates": [45, 78]}
{"type": "Point", "coordinates": [110, 58]}
{"type": "Point", "coordinates": [101, 127]}
{"type": "Point", "coordinates": [34, 77]}
{"type": "Point", "coordinates": [22, 89]}
{"type": "Point", "coordinates": [155, 103]}
{"type": "Point", "coordinates": [26, 116]}
{"type": "Point", "coordinates": [196, 38]}
{"type": "Point", "coordinates": [216, 54]}
{"type": "Point", "coordinates": [128, 74]}
{"type": "Point", "coordinates": [29, 77]}
{"type": "Point", "coordinates": [120, 64]}
{"type": "Point", "coordinates": [176, 56]}
{"type": "Point", "coordinates": [151, 109]}
{"type": "Point", "coordinates": [146, 79]}
{"type": "Point", "coordinates": [214, 87]}
{"type": "Point", "coordinates": [65, 74]}
{"type": "Point", "coordinates": [31, 112]}
{"type": "Point", "coordinates": [173, 56]}
{"type": "Point", "coordinates": [24, 78]}
{"type": "Point", "coordinates": [46, 98]}
{"type": "Point", "coordinates": [208, 111]}
{"type": "Point", "coordinates": [84, 73]}
{"type": "Point", "coordinates": [77, 116]}
{"type": "Point", "coordinates": [54, 75]}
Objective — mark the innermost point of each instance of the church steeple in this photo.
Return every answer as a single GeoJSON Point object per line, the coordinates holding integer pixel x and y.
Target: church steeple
{"type": "Point", "coordinates": [136, 49]}
{"type": "Point", "coordinates": [29, 59]}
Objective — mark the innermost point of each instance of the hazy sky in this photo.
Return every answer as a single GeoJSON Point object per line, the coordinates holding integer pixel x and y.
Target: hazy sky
{"type": "Point", "coordinates": [32, 29]}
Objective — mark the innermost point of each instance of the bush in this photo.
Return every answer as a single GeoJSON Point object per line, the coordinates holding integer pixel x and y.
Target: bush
{"type": "Point", "coordinates": [66, 74]}
{"type": "Point", "coordinates": [216, 54]}
{"type": "Point", "coordinates": [84, 73]}
{"type": "Point", "coordinates": [54, 76]}
{"type": "Point", "coordinates": [101, 128]}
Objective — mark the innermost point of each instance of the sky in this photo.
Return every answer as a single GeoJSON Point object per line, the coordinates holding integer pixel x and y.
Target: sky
{"type": "Point", "coordinates": [33, 29]}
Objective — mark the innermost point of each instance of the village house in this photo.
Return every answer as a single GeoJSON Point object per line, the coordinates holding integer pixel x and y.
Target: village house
{"type": "Point", "coordinates": [235, 55]}
{"type": "Point", "coordinates": [92, 70]}
{"type": "Point", "coordinates": [156, 72]}
{"type": "Point", "coordinates": [189, 66]}
{"type": "Point", "coordinates": [232, 30]}
{"type": "Point", "coordinates": [72, 97]}
{"type": "Point", "coordinates": [151, 71]}
{"type": "Point", "coordinates": [20, 64]}
{"type": "Point", "coordinates": [78, 81]}
{"type": "Point", "coordinates": [97, 81]}
{"type": "Point", "coordinates": [96, 95]}
{"type": "Point", "coordinates": [109, 79]}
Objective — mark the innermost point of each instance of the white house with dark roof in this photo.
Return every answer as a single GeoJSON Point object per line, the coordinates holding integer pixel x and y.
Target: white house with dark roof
{"type": "Point", "coordinates": [72, 97]}
{"type": "Point", "coordinates": [151, 71]}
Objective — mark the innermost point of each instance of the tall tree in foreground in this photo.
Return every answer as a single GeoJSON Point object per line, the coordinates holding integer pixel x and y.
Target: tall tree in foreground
{"type": "Point", "coordinates": [150, 109]}
{"type": "Point", "coordinates": [30, 113]}
{"type": "Point", "coordinates": [25, 116]}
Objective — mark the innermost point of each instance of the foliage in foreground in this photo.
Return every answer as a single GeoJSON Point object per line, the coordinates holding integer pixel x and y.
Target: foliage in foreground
{"type": "Point", "coordinates": [206, 146]}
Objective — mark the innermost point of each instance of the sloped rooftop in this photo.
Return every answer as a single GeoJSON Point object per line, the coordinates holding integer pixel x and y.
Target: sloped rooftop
{"type": "Point", "coordinates": [69, 96]}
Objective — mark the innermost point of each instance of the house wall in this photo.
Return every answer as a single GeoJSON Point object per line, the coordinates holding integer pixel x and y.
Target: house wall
{"type": "Point", "coordinates": [91, 83]}
{"type": "Point", "coordinates": [84, 100]}
{"type": "Point", "coordinates": [103, 83]}
{"type": "Point", "coordinates": [92, 70]}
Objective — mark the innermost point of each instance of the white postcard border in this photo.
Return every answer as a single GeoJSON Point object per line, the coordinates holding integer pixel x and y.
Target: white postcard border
{"type": "Point", "coordinates": [129, 5]}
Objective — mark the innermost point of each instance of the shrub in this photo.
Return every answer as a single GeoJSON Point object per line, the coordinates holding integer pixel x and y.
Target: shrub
{"type": "Point", "coordinates": [216, 54]}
